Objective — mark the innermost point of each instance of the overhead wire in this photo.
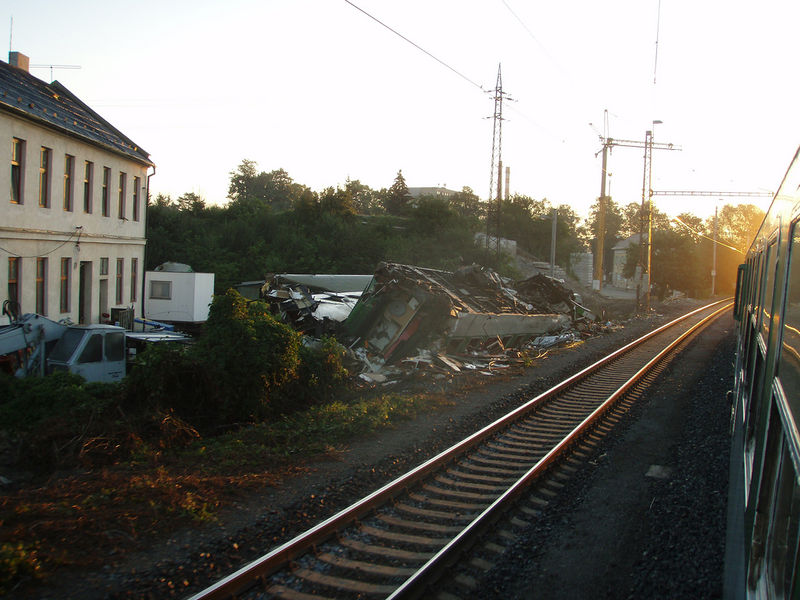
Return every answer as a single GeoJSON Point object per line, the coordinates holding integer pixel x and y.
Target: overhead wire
{"type": "Point", "coordinates": [698, 234]}
{"type": "Point", "coordinates": [65, 242]}
{"type": "Point", "coordinates": [417, 46]}
{"type": "Point", "coordinates": [530, 33]}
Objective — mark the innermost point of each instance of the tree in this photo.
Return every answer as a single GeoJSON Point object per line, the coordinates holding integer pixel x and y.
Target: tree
{"type": "Point", "coordinates": [191, 202]}
{"type": "Point", "coordinates": [466, 203]}
{"type": "Point", "coordinates": [613, 230]}
{"type": "Point", "coordinates": [366, 201]}
{"type": "Point", "coordinates": [737, 225]}
{"type": "Point", "coordinates": [398, 197]}
{"type": "Point", "coordinates": [337, 201]}
{"type": "Point", "coordinates": [634, 220]}
{"type": "Point", "coordinates": [251, 191]}
{"type": "Point", "coordinates": [242, 181]}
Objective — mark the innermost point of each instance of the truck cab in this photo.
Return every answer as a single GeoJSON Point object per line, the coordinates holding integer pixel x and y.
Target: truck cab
{"type": "Point", "coordinates": [96, 352]}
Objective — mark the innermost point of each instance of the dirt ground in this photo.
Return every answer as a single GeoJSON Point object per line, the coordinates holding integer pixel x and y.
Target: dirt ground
{"type": "Point", "coordinates": [191, 559]}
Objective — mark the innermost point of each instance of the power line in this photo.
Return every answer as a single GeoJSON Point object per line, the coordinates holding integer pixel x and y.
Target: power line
{"type": "Point", "coordinates": [530, 33]}
{"type": "Point", "coordinates": [658, 31]}
{"type": "Point", "coordinates": [698, 234]}
{"type": "Point", "coordinates": [417, 46]}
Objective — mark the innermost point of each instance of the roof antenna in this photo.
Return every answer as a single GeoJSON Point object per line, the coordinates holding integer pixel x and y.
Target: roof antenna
{"type": "Point", "coordinates": [11, 35]}
{"type": "Point", "coordinates": [51, 67]}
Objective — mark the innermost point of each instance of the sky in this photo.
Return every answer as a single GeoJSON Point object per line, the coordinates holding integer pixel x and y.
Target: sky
{"type": "Point", "coordinates": [320, 89]}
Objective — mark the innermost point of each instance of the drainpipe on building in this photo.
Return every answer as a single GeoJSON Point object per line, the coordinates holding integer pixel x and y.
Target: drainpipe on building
{"type": "Point", "coordinates": [144, 266]}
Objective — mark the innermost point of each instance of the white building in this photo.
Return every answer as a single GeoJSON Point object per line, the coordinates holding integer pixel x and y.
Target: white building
{"type": "Point", "coordinates": [72, 218]}
{"type": "Point", "coordinates": [176, 294]}
{"type": "Point", "coordinates": [620, 260]}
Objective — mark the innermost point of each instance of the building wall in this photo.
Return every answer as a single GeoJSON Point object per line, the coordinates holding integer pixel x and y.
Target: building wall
{"type": "Point", "coordinates": [56, 232]}
{"type": "Point", "coordinates": [582, 264]}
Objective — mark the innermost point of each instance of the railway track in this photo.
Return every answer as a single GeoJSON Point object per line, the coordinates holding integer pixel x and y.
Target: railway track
{"type": "Point", "coordinates": [409, 533]}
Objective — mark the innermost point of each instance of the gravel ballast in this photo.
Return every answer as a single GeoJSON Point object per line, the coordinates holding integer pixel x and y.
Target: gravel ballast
{"type": "Point", "coordinates": [649, 521]}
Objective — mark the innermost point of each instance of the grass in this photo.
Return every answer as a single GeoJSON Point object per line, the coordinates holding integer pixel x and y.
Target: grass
{"type": "Point", "coordinates": [77, 520]}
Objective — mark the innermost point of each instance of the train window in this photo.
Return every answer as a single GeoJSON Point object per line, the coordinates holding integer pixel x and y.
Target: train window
{"type": "Point", "coordinates": [777, 519]}
{"type": "Point", "coordinates": [738, 301]}
{"type": "Point", "coordinates": [789, 362]}
{"type": "Point", "coordinates": [769, 291]}
{"type": "Point", "coordinates": [758, 274]}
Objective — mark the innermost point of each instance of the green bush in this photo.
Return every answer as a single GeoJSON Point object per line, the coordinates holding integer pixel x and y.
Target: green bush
{"type": "Point", "coordinates": [322, 371]}
{"type": "Point", "coordinates": [168, 377]}
{"type": "Point", "coordinates": [246, 368]}
{"type": "Point", "coordinates": [52, 417]}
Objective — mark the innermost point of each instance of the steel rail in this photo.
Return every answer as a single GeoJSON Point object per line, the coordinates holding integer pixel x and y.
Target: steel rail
{"type": "Point", "coordinates": [411, 588]}
{"type": "Point", "coordinates": [244, 578]}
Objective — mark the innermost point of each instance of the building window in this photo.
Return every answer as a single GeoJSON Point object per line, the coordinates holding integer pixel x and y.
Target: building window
{"type": "Point", "coordinates": [45, 160]}
{"type": "Point", "coordinates": [14, 267]}
{"type": "Point", "coordinates": [120, 268]}
{"type": "Point", "coordinates": [66, 269]}
{"type": "Point", "coordinates": [123, 180]}
{"type": "Point", "coordinates": [134, 269]}
{"type": "Point", "coordinates": [41, 286]}
{"type": "Point", "coordinates": [17, 170]}
{"type": "Point", "coordinates": [161, 290]}
{"type": "Point", "coordinates": [88, 176]}
{"type": "Point", "coordinates": [104, 265]}
{"type": "Point", "coordinates": [69, 176]}
{"type": "Point", "coordinates": [136, 182]}
{"type": "Point", "coordinates": [104, 200]}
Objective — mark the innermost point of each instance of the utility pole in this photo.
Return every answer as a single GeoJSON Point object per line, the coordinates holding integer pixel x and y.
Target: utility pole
{"type": "Point", "coordinates": [646, 214]}
{"type": "Point", "coordinates": [608, 144]}
{"type": "Point", "coordinates": [714, 254]}
{"type": "Point", "coordinates": [497, 151]}
{"type": "Point", "coordinates": [597, 278]}
{"type": "Point", "coordinates": [553, 244]}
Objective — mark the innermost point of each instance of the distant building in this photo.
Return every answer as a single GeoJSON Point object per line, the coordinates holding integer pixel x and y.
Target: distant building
{"type": "Point", "coordinates": [440, 192]}
{"type": "Point", "coordinates": [620, 259]}
{"type": "Point", "coordinates": [72, 225]}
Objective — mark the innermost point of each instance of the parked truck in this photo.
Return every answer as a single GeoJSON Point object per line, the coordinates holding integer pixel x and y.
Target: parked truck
{"type": "Point", "coordinates": [33, 344]}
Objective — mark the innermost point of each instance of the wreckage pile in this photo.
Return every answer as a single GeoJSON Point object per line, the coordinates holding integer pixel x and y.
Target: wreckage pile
{"type": "Point", "coordinates": [411, 319]}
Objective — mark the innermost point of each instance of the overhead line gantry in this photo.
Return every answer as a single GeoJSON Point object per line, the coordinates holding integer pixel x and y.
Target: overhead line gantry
{"type": "Point", "coordinates": [647, 192]}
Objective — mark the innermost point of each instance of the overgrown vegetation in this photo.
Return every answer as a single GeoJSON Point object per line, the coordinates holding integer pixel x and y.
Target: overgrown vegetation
{"type": "Point", "coordinates": [187, 430]}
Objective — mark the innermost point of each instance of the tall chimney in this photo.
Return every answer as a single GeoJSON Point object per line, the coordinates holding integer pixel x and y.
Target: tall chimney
{"type": "Point", "coordinates": [19, 60]}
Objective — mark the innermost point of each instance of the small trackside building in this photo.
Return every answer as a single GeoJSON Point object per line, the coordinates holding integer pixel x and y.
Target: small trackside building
{"type": "Point", "coordinates": [73, 206]}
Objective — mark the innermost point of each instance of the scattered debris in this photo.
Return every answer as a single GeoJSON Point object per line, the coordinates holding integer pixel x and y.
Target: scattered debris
{"type": "Point", "coordinates": [411, 321]}
{"type": "Point", "coordinates": [292, 298]}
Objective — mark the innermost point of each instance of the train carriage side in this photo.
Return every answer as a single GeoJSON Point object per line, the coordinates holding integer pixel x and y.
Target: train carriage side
{"type": "Point", "coordinates": [764, 502]}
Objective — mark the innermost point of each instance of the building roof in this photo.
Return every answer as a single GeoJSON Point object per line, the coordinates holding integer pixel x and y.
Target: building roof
{"type": "Point", "coordinates": [53, 105]}
{"type": "Point", "coordinates": [627, 242]}
{"type": "Point", "coordinates": [416, 192]}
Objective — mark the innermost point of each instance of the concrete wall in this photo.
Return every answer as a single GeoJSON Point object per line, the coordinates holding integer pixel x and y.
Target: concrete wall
{"type": "Point", "coordinates": [29, 231]}
{"type": "Point", "coordinates": [582, 266]}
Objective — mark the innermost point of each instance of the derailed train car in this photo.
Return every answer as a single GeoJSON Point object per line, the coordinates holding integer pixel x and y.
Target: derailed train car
{"type": "Point", "coordinates": [762, 550]}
